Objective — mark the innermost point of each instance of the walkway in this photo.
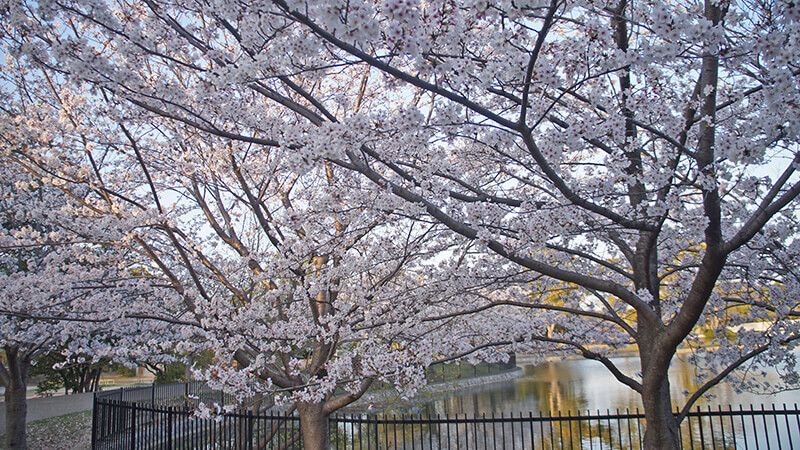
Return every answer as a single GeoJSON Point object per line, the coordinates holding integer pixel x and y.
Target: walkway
{"type": "Point", "coordinates": [45, 407]}
{"type": "Point", "coordinates": [57, 405]}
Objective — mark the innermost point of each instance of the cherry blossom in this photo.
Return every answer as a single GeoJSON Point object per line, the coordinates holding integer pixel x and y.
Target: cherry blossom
{"type": "Point", "coordinates": [554, 176]}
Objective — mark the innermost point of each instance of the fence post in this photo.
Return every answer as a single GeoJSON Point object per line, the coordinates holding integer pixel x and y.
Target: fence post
{"type": "Point", "coordinates": [94, 420]}
{"type": "Point", "coordinates": [378, 434]}
{"type": "Point", "coordinates": [133, 426]}
{"type": "Point", "coordinates": [169, 426]}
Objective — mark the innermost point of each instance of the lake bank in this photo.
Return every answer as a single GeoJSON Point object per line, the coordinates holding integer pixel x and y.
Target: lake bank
{"type": "Point", "coordinates": [575, 385]}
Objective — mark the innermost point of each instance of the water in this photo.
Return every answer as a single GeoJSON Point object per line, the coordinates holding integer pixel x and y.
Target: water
{"type": "Point", "coordinates": [577, 386]}
{"type": "Point", "coordinates": [569, 388]}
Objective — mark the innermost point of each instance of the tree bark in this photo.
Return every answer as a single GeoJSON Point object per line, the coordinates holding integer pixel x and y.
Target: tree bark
{"type": "Point", "coordinates": [314, 426]}
{"type": "Point", "coordinates": [661, 432]}
{"type": "Point", "coordinates": [662, 426]}
{"type": "Point", "coordinates": [16, 378]}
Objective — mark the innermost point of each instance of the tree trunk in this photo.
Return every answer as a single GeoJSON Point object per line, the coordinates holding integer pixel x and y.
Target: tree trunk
{"type": "Point", "coordinates": [16, 414]}
{"type": "Point", "coordinates": [15, 398]}
{"type": "Point", "coordinates": [314, 426]}
{"type": "Point", "coordinates": [662, 427]}
{"type": "Point", "coordinates": [95, 387]}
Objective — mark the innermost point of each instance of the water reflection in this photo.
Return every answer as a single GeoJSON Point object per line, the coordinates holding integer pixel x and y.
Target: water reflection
{"type": "Point", "coordinates": [576, 385]}
{"type": "Point", "coordinates": [565, 388]}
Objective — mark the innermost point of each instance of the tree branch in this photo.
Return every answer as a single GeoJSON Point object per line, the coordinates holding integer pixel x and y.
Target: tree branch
{"type": "Point", "coordinates": [384, 67]}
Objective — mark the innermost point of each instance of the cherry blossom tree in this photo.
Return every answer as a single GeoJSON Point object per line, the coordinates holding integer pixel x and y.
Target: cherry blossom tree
{"type": "Point", "coordinates": [54, 275]}
{"type": "Point", "coordinates": [317, 284]}
{"type": "Point", "coordinates": [67, 280]}
{"type": "Point", "coordinates": [298, 284]}
{"type": "Point", "coordinates": [305, 282]}
{"type": "Point", "coordinates": [637, 158]}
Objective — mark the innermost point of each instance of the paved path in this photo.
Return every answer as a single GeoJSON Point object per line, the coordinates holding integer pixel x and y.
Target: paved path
{"type": "Point", "coordinates": [57, 405]}
{"type": "Point", "coordinates": [45, 407]}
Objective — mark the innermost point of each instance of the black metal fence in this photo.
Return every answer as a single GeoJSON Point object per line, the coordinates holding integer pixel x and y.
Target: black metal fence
{"type": "Point", "coordinates": [158, 422]}
{"type": "Point", "coordinates": [721, 429]}
{"type": "Point", "coordinates": [174, 394]}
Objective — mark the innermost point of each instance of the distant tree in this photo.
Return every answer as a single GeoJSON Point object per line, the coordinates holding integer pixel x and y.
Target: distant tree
{"type": "Point", "coordinates": [74, 373]}
{"type": "Point", "coordinates": [168, 373]}
{"type": "Point", "coordinates": [181, 368]}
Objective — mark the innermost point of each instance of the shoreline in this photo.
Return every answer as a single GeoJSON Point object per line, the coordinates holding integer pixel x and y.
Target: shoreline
{"type": "Point", "coordinates": [370, 403]}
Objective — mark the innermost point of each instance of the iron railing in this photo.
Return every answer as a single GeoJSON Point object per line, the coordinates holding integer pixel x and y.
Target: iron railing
{"type": "Point", "coordinates": [187, 395]}
{"type": "Point", "coordinates": [138, 419]}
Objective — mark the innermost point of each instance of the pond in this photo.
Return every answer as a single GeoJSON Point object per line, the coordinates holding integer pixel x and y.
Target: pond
{"type": "Point", "coordinates": [574, 385]}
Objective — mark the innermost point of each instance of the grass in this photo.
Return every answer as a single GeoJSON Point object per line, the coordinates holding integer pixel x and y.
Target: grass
{"type": "Point", "coordinates": [68, 432]}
